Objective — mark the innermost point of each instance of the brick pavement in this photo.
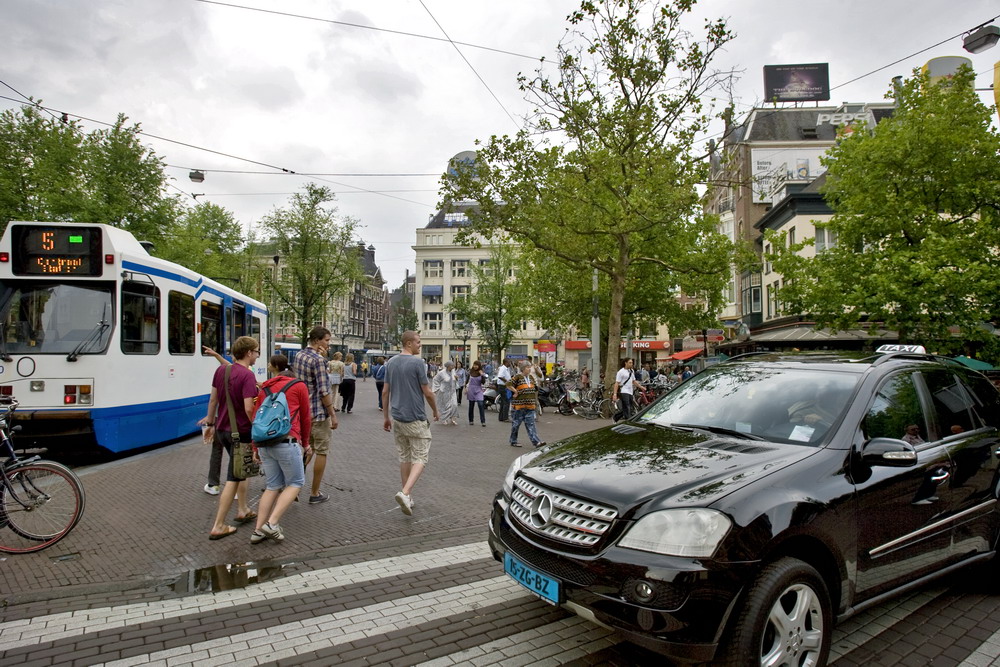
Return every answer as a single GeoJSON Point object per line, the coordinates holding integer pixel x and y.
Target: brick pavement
{"type": "Point", "coordinates": [357, 583]}
{"type": "Point", "coordinates": [147, 519]}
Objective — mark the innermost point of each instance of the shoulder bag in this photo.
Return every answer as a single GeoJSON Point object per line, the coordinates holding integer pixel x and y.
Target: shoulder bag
{"type": "Point", "coordinates": [244, 465]}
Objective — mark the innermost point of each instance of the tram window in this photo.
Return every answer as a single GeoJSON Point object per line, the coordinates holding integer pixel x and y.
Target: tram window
{"type": "Point", "coordinates": [180, 323]}
{"type": "Point", "coordinates": [255, 327]}
{"type": "Point", "coordinates": [236, 316]}
{"type": "Point", "coordinates": [140, 318]}
{"type": "Point", "coordinates": [211, 326]}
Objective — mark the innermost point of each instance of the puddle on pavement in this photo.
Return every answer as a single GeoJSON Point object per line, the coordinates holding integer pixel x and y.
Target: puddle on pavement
{"type": "Point", "coordinates": [230, 576]}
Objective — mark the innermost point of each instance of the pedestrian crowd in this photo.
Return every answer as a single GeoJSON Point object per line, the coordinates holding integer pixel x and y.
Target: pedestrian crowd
{"type": "Point", "coordinates": [308, 393]}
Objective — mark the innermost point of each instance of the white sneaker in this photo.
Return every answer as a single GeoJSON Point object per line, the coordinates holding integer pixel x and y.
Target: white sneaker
{"type": "Point", "coordinates": [211, 490]}
{"type": "Point", "coordinates": [405, 503]}
{"type": "Point", "coordinates": [273, 531]}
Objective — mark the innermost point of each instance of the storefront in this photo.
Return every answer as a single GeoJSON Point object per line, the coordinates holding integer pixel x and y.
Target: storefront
{"type": "Point", "coordinates": [578, 352]}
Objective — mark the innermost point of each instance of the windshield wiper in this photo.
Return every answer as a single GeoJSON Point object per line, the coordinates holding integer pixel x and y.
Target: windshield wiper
{"type": "Point", "coordinates": [721, 430]}
{"type": "Point", "coordinates": [95, 334]}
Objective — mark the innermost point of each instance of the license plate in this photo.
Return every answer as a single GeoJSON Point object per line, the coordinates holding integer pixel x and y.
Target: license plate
{"type": "Point", "coordinates": [541, 585]}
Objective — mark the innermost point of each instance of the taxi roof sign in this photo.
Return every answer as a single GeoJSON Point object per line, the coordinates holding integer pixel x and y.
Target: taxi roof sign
{"type": "Point", "coordinates": [913, 349]}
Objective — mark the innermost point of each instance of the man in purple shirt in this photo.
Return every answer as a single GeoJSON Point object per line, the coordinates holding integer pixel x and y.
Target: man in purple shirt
{"type": "Point", "coordinates": [242, 391]}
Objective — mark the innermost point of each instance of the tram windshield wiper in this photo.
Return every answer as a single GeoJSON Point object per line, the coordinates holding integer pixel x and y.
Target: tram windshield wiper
{"type": "Point", "coordinates": [3, 345]}
{"type": "Point", "coordinates": [94, 335]}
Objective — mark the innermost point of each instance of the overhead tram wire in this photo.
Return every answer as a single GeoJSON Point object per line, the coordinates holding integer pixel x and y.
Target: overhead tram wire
{"type": "Point", "coordinates": [301, 173]}
{"type": "Point", "coordinates": [207, 150]}
{"type": "Point", "coordinates": [462, 55]}
{"type": "Point", "coordinates": [366, 27]}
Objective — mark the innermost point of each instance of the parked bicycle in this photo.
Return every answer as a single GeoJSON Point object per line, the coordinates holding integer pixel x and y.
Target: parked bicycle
{"type": "Point", "coordinates": [40, 501]}
{"type": "Point", "coordinates": [594, 404]}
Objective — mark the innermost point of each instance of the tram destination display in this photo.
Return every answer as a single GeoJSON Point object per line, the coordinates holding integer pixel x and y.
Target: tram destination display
{"type": "Point", "coordinates": [56, 250]}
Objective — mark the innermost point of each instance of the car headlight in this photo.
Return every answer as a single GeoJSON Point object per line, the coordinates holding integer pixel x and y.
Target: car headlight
{"type": "Point", "coordinates": [508, 480]}
{"type": "Point", "coordinates": [694, 532]}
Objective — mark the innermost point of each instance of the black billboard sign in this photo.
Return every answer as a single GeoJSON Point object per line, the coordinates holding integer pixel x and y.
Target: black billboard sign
{"type": "Point", "coordinates": [797, 83]}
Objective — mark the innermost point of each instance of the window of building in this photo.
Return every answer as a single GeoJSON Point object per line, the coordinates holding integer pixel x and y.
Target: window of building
{"type": "Point", "coordinates": [140, 317]}
{"type": "Point", "coordinates": [432, 321]}
{"type": "Point", "coordinates": [791, 236]}
{"type": "Point", "coordinates": [180, 323]}
{"type": "Point", "coordinates": [459, 268]}
{"type": "Point", "coordinates": [435, 299]}
{"type": "Point", "coordinates": [459, 291]}
{"type": "Point", "coordinates": [767, 258]}
{"type": "Point", "coordinates": [433, 268]}
{"type": "Point", "coordinates": [826, 239]}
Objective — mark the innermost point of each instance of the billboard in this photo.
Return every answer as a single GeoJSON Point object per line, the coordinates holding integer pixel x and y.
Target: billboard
{"type": "Point", "coordinates": [770, 166]}
{"type": "Point", "coordinates": [797, 83]}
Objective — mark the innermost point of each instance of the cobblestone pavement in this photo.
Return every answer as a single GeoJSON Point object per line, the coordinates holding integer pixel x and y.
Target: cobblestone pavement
{"type": "Point", "coordinates": [356, 582]}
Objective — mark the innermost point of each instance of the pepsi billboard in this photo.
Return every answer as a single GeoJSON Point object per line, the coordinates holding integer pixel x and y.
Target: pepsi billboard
{"type": "Point", "coordinates": [797, 83]}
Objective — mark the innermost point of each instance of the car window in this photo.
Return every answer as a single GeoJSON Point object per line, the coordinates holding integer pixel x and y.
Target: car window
{"type": "Point", "coordinates": [797, 405]}
{"type": "Point", "coordinates": [986, 400]}
{"type": "Point", "coordinates": [896, 413]}
{"type": "Point", "coordinates": [952, 402]}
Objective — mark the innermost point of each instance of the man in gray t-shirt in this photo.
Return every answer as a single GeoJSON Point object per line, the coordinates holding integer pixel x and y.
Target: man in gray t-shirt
{"type": "Point", "coordinates": [406, 387]}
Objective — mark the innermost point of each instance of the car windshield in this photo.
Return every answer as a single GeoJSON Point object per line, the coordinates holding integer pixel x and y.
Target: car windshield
{"type": "Point", "coordinates": [55, 318]}
{"type": "Point", "coordinates": [795, 405]}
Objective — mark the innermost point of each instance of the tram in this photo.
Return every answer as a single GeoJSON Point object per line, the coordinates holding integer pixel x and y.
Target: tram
{"type": "Point", "coordinates": [101, 342]}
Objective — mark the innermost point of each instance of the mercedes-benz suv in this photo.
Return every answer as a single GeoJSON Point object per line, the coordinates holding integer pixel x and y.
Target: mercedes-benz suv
{"type": "Point", "coordinates": [739, 516]}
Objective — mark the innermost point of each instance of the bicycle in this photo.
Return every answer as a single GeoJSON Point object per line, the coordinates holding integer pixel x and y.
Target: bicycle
{"type": "Point", "coordinates": [593, 404]}
{"type": "Point", "coordinates": [40, 501]}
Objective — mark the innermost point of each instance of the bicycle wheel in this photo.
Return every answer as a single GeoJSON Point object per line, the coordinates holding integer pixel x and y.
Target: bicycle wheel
{"type": "Point", "coordinates": [605, 408]}
{"type": "Point", "coordinates": [41, 505]}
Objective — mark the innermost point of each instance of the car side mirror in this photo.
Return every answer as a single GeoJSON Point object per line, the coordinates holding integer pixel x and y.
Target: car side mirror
{"type": "Point", "coordinates": [889, 452]}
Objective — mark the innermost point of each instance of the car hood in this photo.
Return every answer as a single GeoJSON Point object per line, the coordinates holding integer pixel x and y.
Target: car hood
{"type": "Point", "coordinates": [627, 465]}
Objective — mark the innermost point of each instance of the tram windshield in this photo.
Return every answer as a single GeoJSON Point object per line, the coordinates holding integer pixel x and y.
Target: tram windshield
{"type": "Point", "coordinates": [55, 318]}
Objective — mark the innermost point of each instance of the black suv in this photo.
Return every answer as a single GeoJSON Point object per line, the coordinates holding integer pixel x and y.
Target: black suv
{"type": "Point", "coordinates": [737, 517]}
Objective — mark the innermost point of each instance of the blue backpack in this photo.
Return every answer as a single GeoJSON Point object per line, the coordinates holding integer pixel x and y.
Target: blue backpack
{"type": "Point", "coordinates": [273, 422]}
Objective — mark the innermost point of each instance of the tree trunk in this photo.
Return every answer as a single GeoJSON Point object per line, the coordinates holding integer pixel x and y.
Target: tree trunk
{"type": "Point", "coordinates": [614, 328]}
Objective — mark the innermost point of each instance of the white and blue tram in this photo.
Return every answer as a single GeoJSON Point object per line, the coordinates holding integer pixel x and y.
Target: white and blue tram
{"type": "Point", "coordinates": [101, 342]}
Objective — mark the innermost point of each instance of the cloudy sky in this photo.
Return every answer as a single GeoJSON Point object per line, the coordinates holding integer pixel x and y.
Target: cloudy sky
{"type": "Point", "coordinates": [316, 96]}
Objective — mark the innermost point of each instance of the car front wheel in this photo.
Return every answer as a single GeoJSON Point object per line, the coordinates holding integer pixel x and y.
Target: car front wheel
{"type": "Point", "coordinates": [786, 619]}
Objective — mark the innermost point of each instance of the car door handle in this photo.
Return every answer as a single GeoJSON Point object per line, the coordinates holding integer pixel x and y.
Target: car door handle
{"type": "Point", "coordinates": [940, 476]}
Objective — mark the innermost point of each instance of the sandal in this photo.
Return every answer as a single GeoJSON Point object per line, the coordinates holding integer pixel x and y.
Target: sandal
{"type": "Point", "coordinates": [218, 536]}
{"type": "Point", "coordinates": [246, 518]}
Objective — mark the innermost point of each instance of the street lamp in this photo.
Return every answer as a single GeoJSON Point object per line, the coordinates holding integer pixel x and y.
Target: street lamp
{"type": "Point", "coordinates": [982, 38]}
{"type": "Point", "coordinates": [344, 333]}
{"type": "Point", "coordinates": [466, 333]}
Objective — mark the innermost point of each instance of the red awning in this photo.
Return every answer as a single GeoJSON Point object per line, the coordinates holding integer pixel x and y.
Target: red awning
{"type": "Point", "coordinates": [684, 355]}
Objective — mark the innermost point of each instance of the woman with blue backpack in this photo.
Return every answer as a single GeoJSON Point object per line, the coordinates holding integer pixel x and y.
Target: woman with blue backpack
{"type": "Point", "coordinates": [280, 432]}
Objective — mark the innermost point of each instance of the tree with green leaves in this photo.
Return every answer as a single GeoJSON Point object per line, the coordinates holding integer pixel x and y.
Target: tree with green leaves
{"type": "Point", "coordinates": [52, 170]}
{"type": "Point", "coordinates": [496, 304]}
{"type": "Point", "coordinates": [403, 318]}
{"type": "Point", "coordinates": [207, 239]}
{"type": "Point", "coordinates": [916, 203]}
{"type": "Point", "coordinates": [316, 250]}
{"type": "Point", "coordinates": [605, 174]}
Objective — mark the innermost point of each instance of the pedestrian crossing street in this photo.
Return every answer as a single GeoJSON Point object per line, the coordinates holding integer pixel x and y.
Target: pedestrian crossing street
{"type": "Point", "coordinates": [443, 606]}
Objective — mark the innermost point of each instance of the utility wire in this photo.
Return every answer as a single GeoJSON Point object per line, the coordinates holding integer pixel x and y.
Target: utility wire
{"type": "Point", "coordinates": [462, 56]}
{"type": "Point", "coordinates": [209, 150]}
{"type": "Point", "coordinates": [301, 173]}
{"type": "Point", "coordinates": [896, 62]}
{"type": "Point", "coordinates": [367, 27]}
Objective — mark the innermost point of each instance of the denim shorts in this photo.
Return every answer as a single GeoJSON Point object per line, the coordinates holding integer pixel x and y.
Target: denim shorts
{"type": "Point", "coordinates": [282, 465]}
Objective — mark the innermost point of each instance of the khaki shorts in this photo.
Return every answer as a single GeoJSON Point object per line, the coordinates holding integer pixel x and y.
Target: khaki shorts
{"type": "Point", "coordinates": [413, 441]}
{"type": "Point", "coordinates": [319, 437]}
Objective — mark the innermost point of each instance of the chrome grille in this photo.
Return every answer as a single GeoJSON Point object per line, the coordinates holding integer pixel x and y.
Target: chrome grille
{"type": "Point", "coordinates": [572, 520]}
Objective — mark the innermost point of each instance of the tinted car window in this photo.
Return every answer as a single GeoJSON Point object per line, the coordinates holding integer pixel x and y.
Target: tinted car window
{"type": "Point", "coordinates": [896, 406]}
{"type": "Point", "coordinates": [783, 404]}
{"type": "Point", "coordinates": [986, 400]}
{"type": "Point", "coordinates": [952, 402]}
